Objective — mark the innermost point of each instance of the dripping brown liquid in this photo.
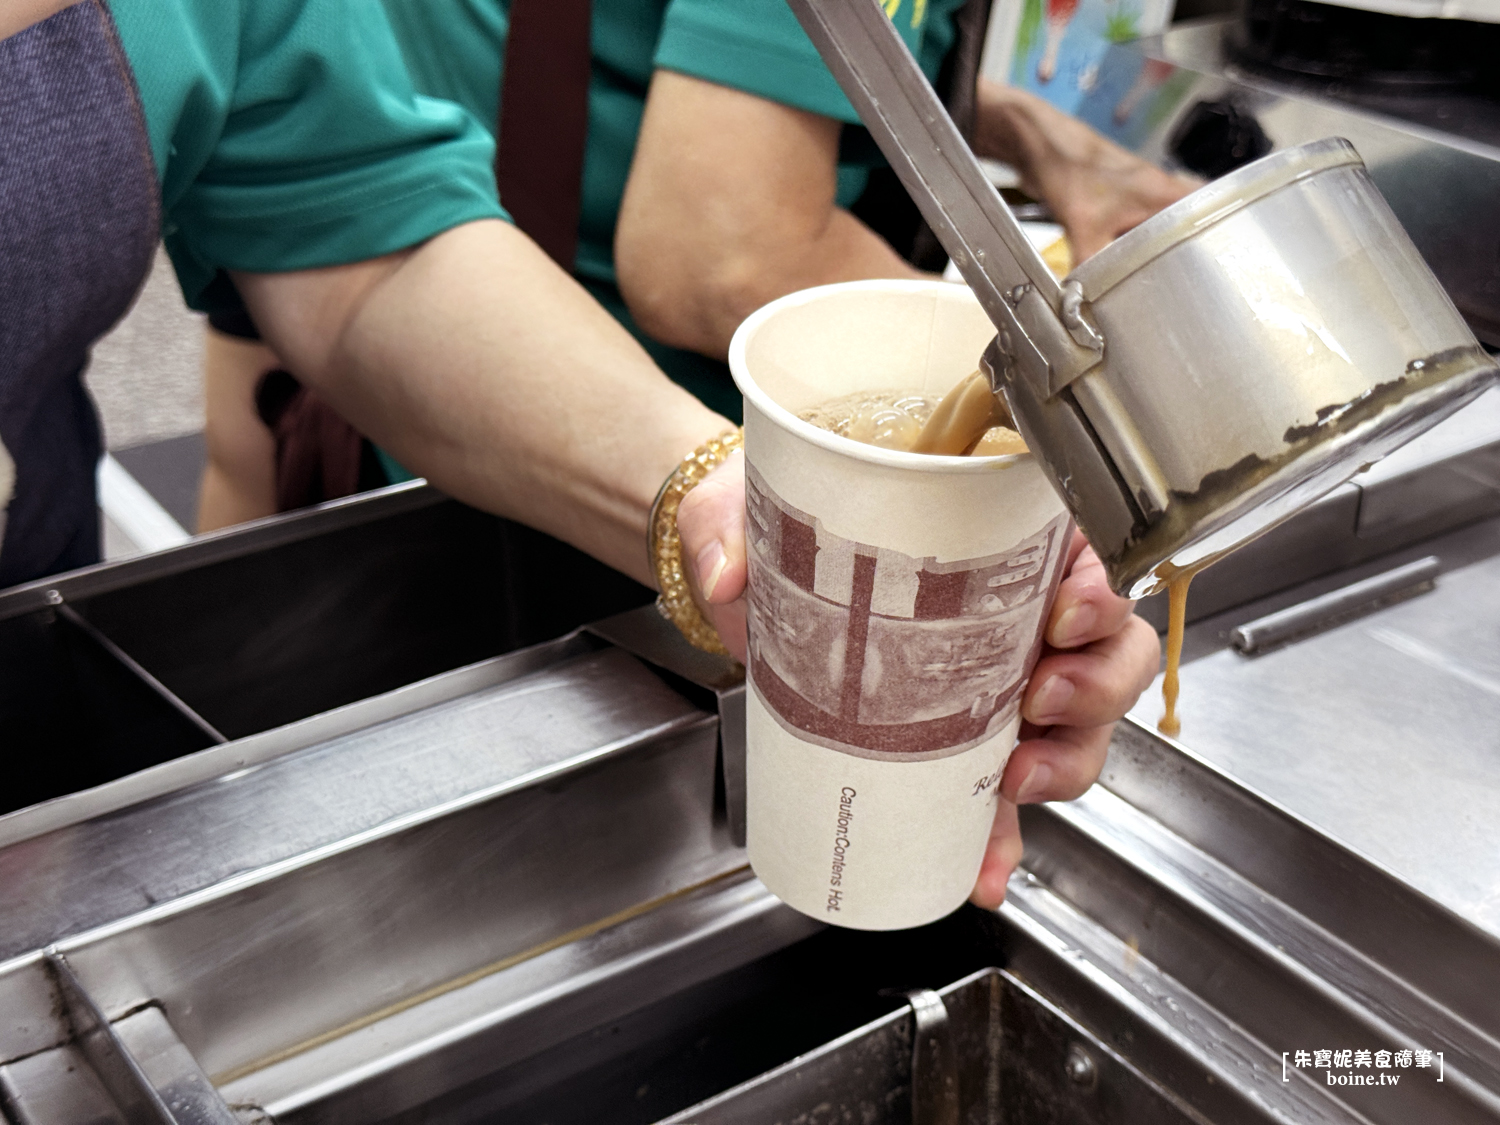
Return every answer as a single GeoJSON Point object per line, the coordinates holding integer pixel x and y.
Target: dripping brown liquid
{"type": "Point", "coordinates": [1177, 589]}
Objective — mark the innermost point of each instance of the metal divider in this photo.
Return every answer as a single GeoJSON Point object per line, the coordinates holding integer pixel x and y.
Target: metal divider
{"type": "Point", "coordinates": [71, 616]}
{"type": "Point", "coordinates": [715, 682]}
{"type": "Point", "coordinates": [143, 1075]}
{"type": "Point", "coordinates": [78, 712]}
{"type": "Point", "coordinates": [299, 628]}
{"type": "Point", "coordinates": [140, 1060]}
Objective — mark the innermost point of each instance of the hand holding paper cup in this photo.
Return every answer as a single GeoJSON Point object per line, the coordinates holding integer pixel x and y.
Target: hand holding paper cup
{"type": "Point", "coordinates": [896, 608]}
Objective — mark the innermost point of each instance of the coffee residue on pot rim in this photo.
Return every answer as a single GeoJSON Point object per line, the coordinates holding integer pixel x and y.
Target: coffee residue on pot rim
{"type": "Point", "coordinates": [1162, 539]}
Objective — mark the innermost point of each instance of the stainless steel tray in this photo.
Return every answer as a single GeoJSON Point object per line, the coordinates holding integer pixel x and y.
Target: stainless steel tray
{"type": "Point", "coordinates": [510, 891]}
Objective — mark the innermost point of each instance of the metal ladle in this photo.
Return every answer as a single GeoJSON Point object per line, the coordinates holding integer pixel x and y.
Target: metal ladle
{"type": "Point", "coordinates": [1210, 372]}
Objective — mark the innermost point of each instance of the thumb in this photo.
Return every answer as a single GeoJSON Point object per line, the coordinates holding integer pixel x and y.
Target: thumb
{"type": "Point", "coordinates": [711, 524]}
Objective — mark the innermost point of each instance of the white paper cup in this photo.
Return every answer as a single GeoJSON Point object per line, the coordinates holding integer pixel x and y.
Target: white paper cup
{"type": "Point", "coordinates": [897, 604]}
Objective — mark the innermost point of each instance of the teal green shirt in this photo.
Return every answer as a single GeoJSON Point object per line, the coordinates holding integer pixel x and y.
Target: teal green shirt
{"type": "Point", "coordinates": [454, 49]}
{"type": "Point", "coordinates": [287, 135]}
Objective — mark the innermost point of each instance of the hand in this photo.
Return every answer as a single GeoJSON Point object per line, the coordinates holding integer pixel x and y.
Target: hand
{"type": "Point", "coordinates": [711, 523]}
{"type": "Point", "coordinates": [1096, 189]}
{"type": "Point", "coordinates": [1098, 659]}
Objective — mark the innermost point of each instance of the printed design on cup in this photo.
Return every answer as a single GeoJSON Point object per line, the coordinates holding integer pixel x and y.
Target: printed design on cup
{"type": "Point", "coordinates": [884, 655]}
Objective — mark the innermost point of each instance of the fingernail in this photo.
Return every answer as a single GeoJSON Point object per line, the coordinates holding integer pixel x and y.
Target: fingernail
{"type": "Point", "coordinates": [1074, 624]}
{"type": "Point", "coordinates": [711, 564]}
{"type": "Point", "coordinates": [1048, 704]}
{"type": "Point", "coordinates": [1035, 784]}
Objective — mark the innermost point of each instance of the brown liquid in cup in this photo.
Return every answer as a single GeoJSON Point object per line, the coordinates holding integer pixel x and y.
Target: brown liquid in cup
{"type": "Point", "coordinates": [967, 420]}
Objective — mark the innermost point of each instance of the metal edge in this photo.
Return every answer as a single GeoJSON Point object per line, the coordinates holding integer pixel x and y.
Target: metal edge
{"type": "Point", "coordinates": [1186, 890]}
{"type": "Point", "coordinates": [693, 935]}
{"type": "Point", "coordinates": [1210, 204]}
{"type": "Point", "coordinates": [396, 826]}
{"type": "Point", "coordinates": [1141, 771]}
{"type": "Point", "coordinates": [221, 546]}
{"type": "Point", "coordinates": [216, 763]}
{"type": "Point", "coordinates": [1100, 983]}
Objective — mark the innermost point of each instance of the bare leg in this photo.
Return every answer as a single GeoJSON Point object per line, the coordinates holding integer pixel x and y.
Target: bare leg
{"type": "Point", "coordinates": [1059, 14]}
{"type": "Point", "coordinates": [239, 482]}
{"type": "Point", "coordinates": [1046, 70]}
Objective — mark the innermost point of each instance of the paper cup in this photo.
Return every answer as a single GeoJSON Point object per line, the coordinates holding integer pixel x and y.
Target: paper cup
{"type": "Point", "coordinates": [897, 604]}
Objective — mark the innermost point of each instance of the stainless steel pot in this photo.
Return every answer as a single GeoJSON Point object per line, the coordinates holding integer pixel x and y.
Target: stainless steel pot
{"type": "Point", "coordinates": [1269, 335]}
{"type": "Point", "coordinates": [1209, 373]}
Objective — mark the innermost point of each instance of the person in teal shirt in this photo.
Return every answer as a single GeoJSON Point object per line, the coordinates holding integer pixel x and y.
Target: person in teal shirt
{"type": "Point", "coordinates": [278, 149]}
{"type": "Point", "coordinates": [454, 49]}
{"type": "Point", "coordinates": [721, 166]}
{"type": "Point", "coordinates": [723, 160]}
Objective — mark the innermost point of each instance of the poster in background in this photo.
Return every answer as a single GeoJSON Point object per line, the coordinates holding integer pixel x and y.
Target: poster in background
{"type": "Point", "coordinates": [1060, 50]}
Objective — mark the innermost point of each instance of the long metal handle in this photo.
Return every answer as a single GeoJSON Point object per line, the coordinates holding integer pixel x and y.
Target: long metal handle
{"type": "Point", "coordinates": [1044, 328]}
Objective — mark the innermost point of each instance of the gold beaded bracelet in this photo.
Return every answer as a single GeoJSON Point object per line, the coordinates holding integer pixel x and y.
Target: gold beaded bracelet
{"type": "Point", "coordinates": [665, 546]}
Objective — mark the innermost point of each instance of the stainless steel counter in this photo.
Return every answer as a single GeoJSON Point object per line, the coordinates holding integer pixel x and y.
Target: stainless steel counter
{"type": "Point", "coordinates": [1383, 731]}
{"type": "Point", "coordinates": [510, 890]}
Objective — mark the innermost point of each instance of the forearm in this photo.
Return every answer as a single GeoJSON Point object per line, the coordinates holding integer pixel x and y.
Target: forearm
{"type": "Point", "coordinates": [699, 302]}
{"type": "Point", "coordinates": [731, 203]}
{"type": "Point", "coordinates": [480, 365]}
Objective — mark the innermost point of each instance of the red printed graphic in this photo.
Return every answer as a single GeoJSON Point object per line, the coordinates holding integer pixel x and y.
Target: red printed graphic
{"type": "Point", "coordinates": [884, 655]}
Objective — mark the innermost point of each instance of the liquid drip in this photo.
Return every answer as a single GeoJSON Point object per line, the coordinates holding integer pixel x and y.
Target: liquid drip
{"type": "Point", "coordinates": [968, 420]}
{"type": "Point", "coordinates": [1177, 589]}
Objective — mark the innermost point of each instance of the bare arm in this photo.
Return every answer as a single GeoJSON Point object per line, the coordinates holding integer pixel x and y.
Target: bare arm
{"type": "Point", "coordinates": [18, 15]}
{"type": "Point", "coordinates": [730, 204]}
{"type": "Point", "coordinates": [482, 366]}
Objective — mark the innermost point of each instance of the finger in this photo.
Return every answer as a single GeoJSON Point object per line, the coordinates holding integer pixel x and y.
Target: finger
{"type": "Point", "coordinates": [1002, 855]}
{"type": "Point", "coordinates": [729, 621]}
{"type": "Point", "coordinates": [1058, 766]}
{"type": "Point", "coordinates": [1086, 609]}
{"type": "Point", "coordinates": [1076, 546]}
{"type": "Point", "coordinates": [1095, 685]}
{"type": "Point", "coordinates": [711, 523]}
